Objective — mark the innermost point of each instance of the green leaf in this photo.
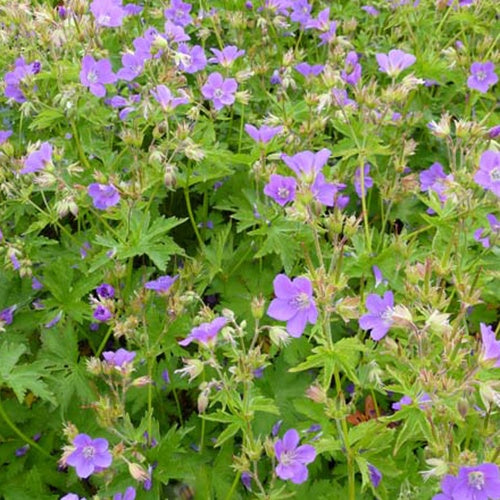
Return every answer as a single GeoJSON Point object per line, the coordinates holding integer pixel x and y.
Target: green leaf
{"type": "Point", "coordinates": [228, 433]}
{"type": "Point", "coordinates": [9, 356]}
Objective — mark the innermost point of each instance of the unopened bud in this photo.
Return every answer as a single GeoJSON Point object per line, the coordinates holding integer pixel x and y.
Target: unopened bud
{"type": "Point", "coordinates": [257, 306]}
{"type": "Point", "coordinates": [138, 472]}
{"type": "Point", "coordinates": [279, 336]}
{"type": "Point", "coordinates": [316, 393]}
{"type": "Point", "coordinates": [142, 381]}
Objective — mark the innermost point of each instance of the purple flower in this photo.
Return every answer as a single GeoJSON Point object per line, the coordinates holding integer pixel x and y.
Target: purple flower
{"type": "Point", "coordinates": [165, 98]}
{"type": "Point", "coordinates": [351, 74]}
{"type": "Point", "coordinates": [341, 99]}
{"type": "Point", "coordinates": [263, 134]}
{"type": "Point", "coordinates": [226, 56]}
{"type": "Point", "coordinates": [13, 79]}
{"type": "Point", "coordinates": [94, 74]}
{"type": "Point", "coordinates": [493, 133]}
{"type": "Point", "coordinates": [361, 189]}
{"type": "Point", "coordinates": [491, 346]}
{"type": "Point", "coordinates": [275, 78]}
{"type": "Point", "coordinates": [102, 313]}
{"type": "Point", "coordinates": [294, 304]}
{"type": "Point", "coordinates": [482, 76]}
{"type": "Point", "coordinates": [165, 376]}
{"type": "Point", "coordinates": [126, 105]}
{"type": "Point", "coordinates": [377, 274]}
{"type": "Point", "coordinates": [133, 65]}
{"type": "Point", "coordinates": [191, 59]}
{"type": "Point", "coordinates": [276, 428]}
{"type": "Point", "coordinates": [488, 175]}
{"type": "Point", "coordinates": [479, 482]}
{"type": "Point", "coordinates": [404, 401]}
{"type": "Point", "coordinates": [246, 479]}
{"type": "Point", "coordinates": [301, 12]}
{"type": "Point", "coordinates": [434, 179]}
{"type": "Point", "coordinates": [307, 164]}
{"type": "Point", "coordinates": [485, 241]}
{"type": "Point", "coordinates": [38, 160]}
{"type": "Point", "coordinates": [83, 249]}
{"type": "Point", "coordinates": [178, 13]}
{"type": "Point", "coordinates": [205, 333]}
{"type": "Point", "coordinates": [423, 401]}
{"type": "Point", "coordinates": [309, 70]}
{"type": "Point", "coordinates": [108, 13]}
{"type": "Point", "coordinates": [128, 495]}
{"type": "Point", "coordinates": [281, 189]}
{"type": "Point", "coordinates": [120, 358]}
{"type": "Point", "coordinates": [7, 315]}
{"type": "Point", "coordinates": [105, 291]}
{"type": "Point", "coordinates": [4, 135]}
{"type": "Point", "coordinates": [219, 90]}
{"type": "Point", "coordinates": [324, 192]}
{"type": "Point", "coordinates": [322, 22]}
{"type": "Point", "coordinates": [103, 195]}
{"type": "Point", "coordinates": [90, 455]}
{"type": "Point", "coordinates": [36, 284]}
{"type": "Point", "coordinates": [292, 459]}
{"type": "Point", "coordinates": [394, 62]}
{"type": "Point", "coordinates": [379, 318]}
{"type": "Point", "coordinates": [72, 496]}
{"type": "Point", "coordinates": [375, 475]}
{"type": "Point", "coordinates": [370, 9]}
{"type": "Point", "coordinates": [161, 284]}
{"type": "Point", "coordinates": [174, 33]}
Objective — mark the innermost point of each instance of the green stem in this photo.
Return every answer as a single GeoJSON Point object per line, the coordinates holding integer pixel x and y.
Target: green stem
{"type": "Point", "coordinates": [103, 343]}
{"type": "Point", "coordinates": [20, 433]}
{"type": "Point", "coordinates": [81, 153]}
{"type": "Point", "coordinates": [233, 486]}
{"type": "Point", "coordinates": [191, 218]}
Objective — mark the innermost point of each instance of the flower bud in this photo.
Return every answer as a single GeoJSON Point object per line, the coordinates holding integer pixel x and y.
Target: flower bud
{"type": "Point", "coordinates": [142, 381]}
{"type": "Point", "coordinates": [138, 472]}
{"type": "Point", "coordinates": [316, 393]}
{"type": "Point", "coordinates": [257, 306]}
{"type": "Point", "coordinates": [279, 336]}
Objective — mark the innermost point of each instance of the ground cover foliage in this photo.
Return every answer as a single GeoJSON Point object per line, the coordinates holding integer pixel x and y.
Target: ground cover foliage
{"type": "Point", "coordinates": [249, 249]}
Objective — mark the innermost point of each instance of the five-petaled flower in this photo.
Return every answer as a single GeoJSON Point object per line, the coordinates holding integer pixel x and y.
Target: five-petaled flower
{"type": "Point", "coordinates": [165, 98]}
{"type": "Point", "coordinates": [379, 318]}
{"type": "Point", "coordinates": [292, 459]}
{"type": "Point", "coordinates": [90, 455]}
{"type": "Point", "coordinates": [103, 195]}
{"type": "Point", "coordinates": [108, 13]}
{"type": "Point", "coordinates": [488, 174]}
{"type": "Point", "coordinates": [37, 160]}
{"type": "Point", "coordinates": [226, 56]}
{"type": "Point", "coordinates": [205, 333]}
{"type": "Point", "coordinates": [119, 359]}
{"type": "Point", "coordinates": [94, 74]}
{"type": "Point", "coordinates": [220, 90]}
{"type": "Point", "coordinates": [479, 482]}
{"type": "Point", "coordinates": [294, 304]}
{"type": "Point", "coordinates": [263, 134]}
{"type": "Point", "coordinates": [281, 189]}
{"type": "Point", "coordinates": [482, 76]}
{"type": "Point", "coordinates": [394, 62]}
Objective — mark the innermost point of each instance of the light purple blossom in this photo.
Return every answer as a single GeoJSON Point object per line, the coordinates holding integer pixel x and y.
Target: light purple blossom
{"type": "Point", "coordinates": [126, 106]}
{"type": "Point", "coordinates": [341, 99]}
{"type": "Point", "coordinates": [394, 62]}
{"type": "Point", "coordinates": [478, 236]}
{"type": "Point", "coordinates": [370, 9]}
{"type": "Point", "coordinates": [482, 76]}
{"type": "Point", "coordinates": [301, 12]}
{"type": "Point", "coordinates": [377, 274]}
{"type": "Point", "coordinates": [478, 482]}
{"type": "Point", "coordinates": [54, 320]}
{"type": "Point", "coordinates": [488, 175]}
{"type": "Point", "coordinates": [375, 475]}
{"type": "Point", "coordinates": [491, 346]}
{"type": "Point", "coordinates": [36, 284]}
{"type": "Point", "coordinates": [294, 303]}
{"type": "Point", "coordinates": [191, 59]}
{"type": "Point", "coordinates": [351, 74]}
{"type": "Point", "coordinates": [133, 65]}
{"type": "Point", "coordinates": [90, 455]}
{"type": "Point", "coordinates": [178, 13]}
{"type": "Point", "coordinates": [307, 164]}
{"type": "Point", "coordinates": [165, 98]}
{"type": "Point", "coordinates": [275, 78]}
{"type": "Point", "coordinates": [434, 179]}
{"type": "Point", "coordinates": [15, 261]}
{"type": "Point", "coordinates": [108, 13]}
{"type": "Point", "coordinates": [308, 70]}
{"type": "Point", "coordinates": [226, 56]}
{"type": "Point", "coordinates": [95, 74]}
{"type": "Point", "coordinates": [493, 133]}
{"type": "Point", "coordinates": [13, 79]}
{"type": "Point", "coordinates": [379, 317]}
{"type": "Point", "coordinates": [38, 160]}
{"type": "Point", "coordinates": [103, 195]}
{"type": "Point", "coordinates": [281, 189]}
{"type": "Point", "coordinates": [4, 135]}
{"type": "Point", "coordinates": [105, 291]}
{"type": "Point", "coordinates": [119, 359]}
{"type": "Point", "coordinates": [292, 458]}
{"type": "Point", "coordinates": [72, 496]}
{"type": "Point", "coordinates": [205, 333]}
{"type": "Point", "coordinates": [423, 401]}
{"type": "Point", "coordinates": [161, 284]}
{"type": "Point", "coordinates": [174, 33]}
{"type": "Point", "coordinates": [128, 495]}
{"type": "Point", "coordinates": [322, 191]}
{"type": "Point", "coordinates": [360, 188]}
{"type": "Point", "coordinates": [322, 22]}
{"type": "Point", "coordinates": [246, 480]}
{"type": "Point", "coordinates": [220, 90]}
{"type": "Point", "coordinates": [263, 134]}
{"type": "Point", "coordinates": [102, 313]}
